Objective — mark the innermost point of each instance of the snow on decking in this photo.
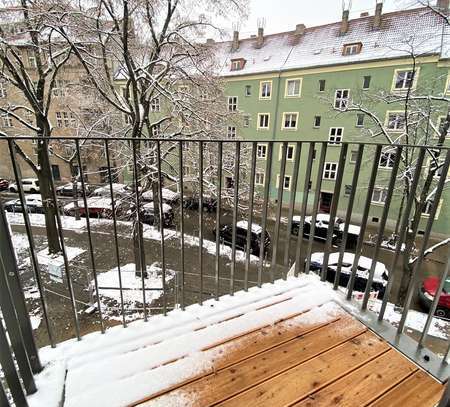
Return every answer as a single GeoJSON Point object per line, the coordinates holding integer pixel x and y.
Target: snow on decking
{"type": "Point", "coordinates": [127, 364]}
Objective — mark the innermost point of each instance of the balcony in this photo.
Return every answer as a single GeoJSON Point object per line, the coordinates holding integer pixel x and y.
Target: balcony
{"type": "Point", "coordinates": [305, 317]}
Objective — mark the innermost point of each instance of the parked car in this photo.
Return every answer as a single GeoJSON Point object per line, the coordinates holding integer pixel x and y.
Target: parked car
{"type": "Point", "coordinates": [168, 196]}
{"type": "Point", "coordinates": [226, 235]}
{"type": "Point", "coordinates": [427, 293]}
{"type": "Point", "coordinates": [97, 207]}
{"type": "Point", "coordinates": [209, 203]}
{"type": "Point", "coordinates": [4, 184]}
{"type": "Point", "coordinates": [148, 214]}
{"type": "Point", "coordinates": [33, 204]}
{"type": "Point", "coordinates": [67, 189]}
{"type": "Point", "coordinates": [364, 264]}
{"type": "Point", "coordinates": [29, 185]}
{"type": "Point", "coordinates": [118, 190]}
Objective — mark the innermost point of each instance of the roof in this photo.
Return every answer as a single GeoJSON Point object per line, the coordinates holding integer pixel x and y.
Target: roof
{"type": "Point", "coordinates": [244, 225]}
{"type": "Point", "coordinates": [322, 45]}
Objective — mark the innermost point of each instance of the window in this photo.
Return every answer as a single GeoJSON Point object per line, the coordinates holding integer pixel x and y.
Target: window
{"type": "Point", "coordinates": [387, 160]}
{"type": "Point", "coordinates": [395, 121]}
{"type": "Point", "coordinates": [3, 92]}
{"type": "Point", "coordinates": [289, 154]}
{"type": "Point", "coordinates": [248, 90]}
{"type": "Point", "coordinates": [317, 120]}
{"type": "Point", "coordinates": [347, 190]}
{"type": "Point", "coordinates": [353, 156]}
{"type": "Point", "coordinates": [322, 84]}
{"type": "Point", "coordinates": [290, 121]}
{"type": "Point", "coordinates": [186, 170]}
{"type": "Point", "coordinates": [447, 85]}
{"type": "Point", "coordinates": [229, 182]}
{"type": "Point", "coordinates": [352, 49]}
{"type": "Point", "coordinates": [7, 120]}
{"type": "Point", "coordinates": [65, 119]}
{"type": "Point", "coordinates": [293, 88]}
{"type": "Point", "coordinates": [31, 58]}
{"type": "Point", "coordinates": [232, 103]}
{"type": "Point", "coordinates": [379, 195]}
{"type": "Point", "coordinates": [231, 132]}
{"type": "Point", "coordinates": [404, 79]}
{"type": "Point", "coordinates": [426, 210]}
{"type": "Point", "coordinates": [155, 105]}
{"type": "Point", "coordinates": [341, 99]}
{"type": "Point", "coordinates": [59, 87]}
{"type": "Point", "coordinates": [261, 151]}
{"type": "Point", "coordinates": [360, 120]}
{"type": "Point", "coordinates": [335, 136]}
{"type": "Point", "coordinates": [286, 182]}
{"type": "Point", "coordinates": [259, 178]}
{"type": "Point", "coordinates": [263, 121]}
{"type": "Point", "coordinates": [55, 172]}
{"type": "Point", "coordinates": [237, 64]}
{"type": "Point", "coordinates": [366, 82]}
{"type": "Point", "coordinates": [127, 120]}
{"type": "Point", "coordinates": [156, 130]}
{"type": "Point", "coordinates": [265, 90]}
{"type": "Point", "coordinates": [330, 171]}
{"type": "Point", "coordinates": [246, 120]}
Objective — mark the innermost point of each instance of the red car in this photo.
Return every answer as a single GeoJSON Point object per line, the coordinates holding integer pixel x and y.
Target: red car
{"type": "Point", "coordinates": [427, 292]}
{"type": "Point", "coordinates": [4, 184]}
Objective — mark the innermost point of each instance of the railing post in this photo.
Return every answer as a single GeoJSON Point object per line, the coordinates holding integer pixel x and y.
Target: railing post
{"type": "Point", "coordinates": [445, 400]}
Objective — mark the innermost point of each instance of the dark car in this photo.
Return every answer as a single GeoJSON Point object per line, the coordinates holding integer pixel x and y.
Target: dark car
{"type": "Point", "coordinates": [33, 204]}
{"type": "Point", "coordinates": [428, 291]}
{"type": "Point", "coordinates": [68, 190]}
{"type": "Point", "coordinates": [209, 203]}
{"type": "Point", "coordinates": [226, 235]}
{"type": "Point", "coordinates": [148, 214]}
{"type": "Point", "coordinates": [4, 184]}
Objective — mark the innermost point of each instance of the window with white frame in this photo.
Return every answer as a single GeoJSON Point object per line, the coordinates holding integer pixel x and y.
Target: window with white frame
{"type": "Point", "coordinates": [335, 136]}
{"type": "Point", "coordinates": [259, 178]}
{"type": "Point", "coordinates": [7, 120]}
{"type": "Point", "coordinates": [65, 119]}
{"type": "Point", "coordinates": [232, 103]}
{"type": "Point", "coordinates": [353, 156]}
{"type": "Point", "coordinates": [379, 195]}
{"type": "Point", "coordinates": [31, 58]}
{"type": "Point", "coordinates": [246, 120]}
{"type": "Point", "coordinates": [231, 132]}
{"type": "Point", "coordinates": [360, 119]}
{"type": "Point", "coordinates": [330, 171]}
{"type": "Point", "coordinates": [286, 182]}
{"type": "Point", "coordinates": [127, 120]}
{"type": "Point", "coordinates": [387, 160]}
{"type": "Point", "coordinates": [396, 121]}
{"type": "Point", "coordinates": [156, 130]}
{"type": "Point", "coordinates": [404, 79]}
{"type": "Point", "coordinates": [265, 90]}
{"type": "Point", "coordinates": [293, 87]}
{"type": "Point", "coordinates": [290, 121]}
{"type": "Point", "coordinates": [263, 120]}
{"type": "Point", "coordinates": [261, 151]}
{"type": "Point", "coordinates": [3, 92]}
{"type": "Point", "coordinates": [352, 49]}
{"type": "Point", "coordinates": [155, 105]}
{"type": "Point", "coordinates": [341, 98]}
{"type": "Point", "coordinates": [59, 87]}
{"type": "Point", "coordinates": [289, 153]}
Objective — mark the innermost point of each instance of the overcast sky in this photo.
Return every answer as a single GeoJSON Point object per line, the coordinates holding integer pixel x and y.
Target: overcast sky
{"type": "Point", "coordinates": [283, 15]}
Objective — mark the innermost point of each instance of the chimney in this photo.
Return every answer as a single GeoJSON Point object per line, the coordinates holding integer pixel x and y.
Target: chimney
{"type": "Point", "coordinates": [442, 5]}
{"type": "Point", "coordinates": [209, 41]}
{"type": "Point", "coordinates": [364, 14]}
{"type": "Point", "coordinates": [235, 45]}
{"type": "Point", "coordinates": [377, 17]}
{"type": "Point", "coordinates": [300, 29]}
{"type": "Point", "coordinates": [344, 22]}
{"type": "Point", "coordinates": [260, 37]}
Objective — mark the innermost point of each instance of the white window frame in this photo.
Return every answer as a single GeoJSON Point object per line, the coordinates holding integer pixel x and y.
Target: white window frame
{"type": "Point", "coordinates": [31, 58]}
{"type": "Point", "coordinates": [260, 174]}
{"type": "Point", "coordinates": [283, 123]}
{"type": "Point", "coordinates": [391, 159]}
{"type": "Point", "coordinates": [233, 104]}
{"type": "Point", "coordinates": [403, 88]}
{"type": "Point", "coordinates": [354, 48]}
{"type": "Point", "coordinates": [331, 168]}
{"type": "Point", "coordinates": [290, 147]}
{"type": "Point", "coordinates": [341, 103]}
{"type": "Point", "coordinates": [236, 65]}
{"type": "Point", "coordinates": [351, 161]}
{"type": "Point", "coordinates": [286, 177]}
{"type": "Point", "coordinates": [261, 86]}
{"type": "Point", "coordinates": [430, 203]}
{"type": "Point", "coordinates": [59, 88]}
{"type": "Point", "coordinates": [7, 120]}
{"type": "Point", "coordinates": [156, 130]}
{"type": "Point", "coordinates": [65, 119]}
{"type": "Point", "coordinates": [155, 105]}
{"type": "Point", "coordinates": [126, 119]}
{"type": "Point", "coordinates": [246, 120]}
{"type": "Point", "coordinates": [231, 132]}
{"type": "Point", "coordinates": [261, 156]}
{"type": "Point", "coordinates": [382, 191]}
{"type": "Point", "coordinates": [3, 91]}
{"type": "Point", "coordinates": [286, 89]}
{"type": "Point", "coordinates": [397, 113]}
{"type": "Point", "coordinates": [332, 140]}
{"type": "Point", "coordinates": [358, 115]}
{"type": "Point", "coordinates": [258, 126]}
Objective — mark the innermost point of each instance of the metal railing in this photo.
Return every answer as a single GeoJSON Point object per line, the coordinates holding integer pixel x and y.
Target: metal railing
{"type": "Point", "coordinates": [163, 162]}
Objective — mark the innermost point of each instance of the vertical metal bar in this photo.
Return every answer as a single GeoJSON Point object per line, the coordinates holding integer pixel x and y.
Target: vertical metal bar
{"type": "Point", "coordinates": [403, 227]}
{"type": "Point", "coordinates": [251, 200]}
{"type": "Point", "coordinates": [373, 177]}
{"type": "Point", "coordinates": [284, 147]}
{"type": "Point", "coordinates": [384, 217]}
{"type": "Point", "coordinates": [161, 225]}
{"type": "Point", "coordinates": [312, 230]}
{"type": "Point", "coordinates": [3, 399]}
{"type": "Point", "coordinates": [7, 364]}
{"type": "Point", "coordinates": [200, 219]}
{"type": "Point", "coordinates": [63, 248]}
{"type": "Point", "coordinates": [348, 215]}
{"type": "Point", "coordinates": [304, 207]}
{"type": "Point", "coordinates": [88, 228]}
{"type": "Point", "coordinates": [333, 209]}
{"type": "Point", "coordinates": [180, 164]}
{"type": "Point", "coordinates": [267, 175]}
{"type": "Point", "coordinates": [218, 210]}
{"type": "Point", "coordinates": [116, 240]}
{"type": "Point", "coordinates": [298, 150]}
{"type": "Point", "coordinates": [445, 399]}
{"type": "Point", "coordinates": [33, 255]}
{"type": "Point", "coordinates": [426, 237]}
{"type": "Point", "coordinates": [237, 158]}
{"type": "Point", "coordinates": [139, 227]}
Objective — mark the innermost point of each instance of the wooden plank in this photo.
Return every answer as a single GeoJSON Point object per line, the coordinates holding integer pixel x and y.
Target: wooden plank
{"type": "Point", "coordinates": [315, 373]}
{"type": "Point", "coordinates": [364, 384]}
{"type": "Point", "coordinates": [418, 390]}
{"type": "Point", "coordinates": [241, 376]}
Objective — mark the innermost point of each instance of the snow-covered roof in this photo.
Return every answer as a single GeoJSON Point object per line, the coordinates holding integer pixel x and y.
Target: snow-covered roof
{"type": "Point", "coordinates": [244, 225]}
{"type": "Point", "coordinates": [322, 45]}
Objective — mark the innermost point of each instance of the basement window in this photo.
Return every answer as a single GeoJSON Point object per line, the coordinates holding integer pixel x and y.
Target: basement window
{"type": "Point", "coordinates": [352, 49]}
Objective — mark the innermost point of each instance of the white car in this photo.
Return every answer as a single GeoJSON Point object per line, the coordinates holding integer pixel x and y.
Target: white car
{"type": "Point", "coordinates": [33, 203]}
{"type": "Point", "coordinates": [168, 196]}
{"type": "Point", "coordinates": [380, 276]}
{"type": "Point", "coordinates": [118, 189]}
{"type": "Point", "coordinates": [29, 185]}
